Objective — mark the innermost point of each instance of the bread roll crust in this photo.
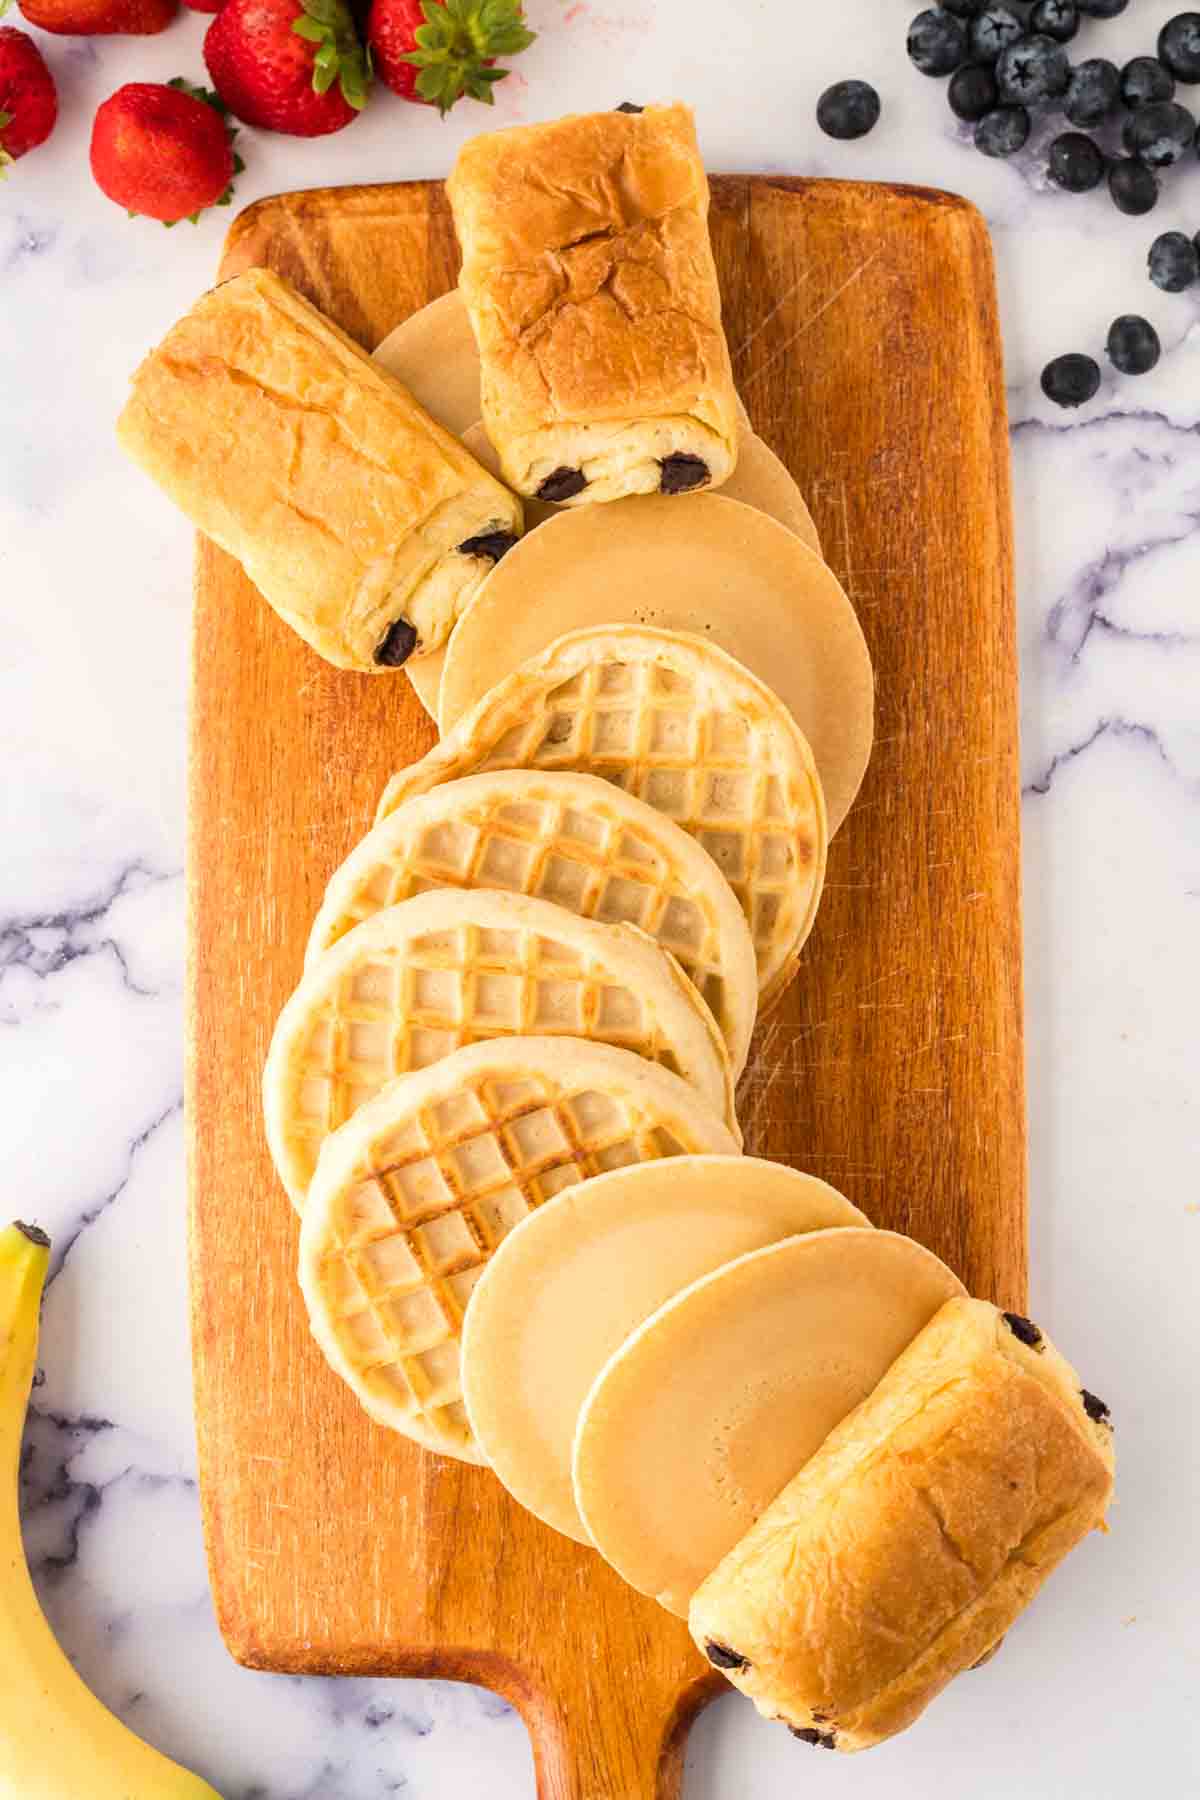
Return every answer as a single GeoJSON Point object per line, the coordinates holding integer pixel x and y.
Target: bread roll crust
{"type": "Point", "coordinates": [589, 278]}
{"type": "Point", "coordinates": [284, 443]}
{"type": "Point", "coordinates": [905, 1548]}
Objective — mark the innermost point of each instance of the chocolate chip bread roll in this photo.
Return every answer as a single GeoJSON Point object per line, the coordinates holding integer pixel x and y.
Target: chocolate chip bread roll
{"type": "Point", "coordinates": [589, 279]}
{"type": "Point", "coordinates": [365, 525]}
{"type": "Point", "coordinates": [905, 1548]}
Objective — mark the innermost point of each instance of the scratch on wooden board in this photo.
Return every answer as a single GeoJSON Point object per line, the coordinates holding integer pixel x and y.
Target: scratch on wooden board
{"type": "Point", "coordinates": [777, 355]}
{"type": "Point", "coordinates": [766, 319]}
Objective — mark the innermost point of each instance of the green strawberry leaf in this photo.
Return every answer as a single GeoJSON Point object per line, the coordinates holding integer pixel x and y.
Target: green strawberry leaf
{"type": "Point", "coordinates": [456, 44]}
{"type": "Point", "coordinates": [204, 94]}
{"type": "Point", "coordinates": [339, 57]}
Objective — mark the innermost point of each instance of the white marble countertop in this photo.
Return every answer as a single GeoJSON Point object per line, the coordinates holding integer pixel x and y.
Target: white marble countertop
{"type": "Point", "coordinates": [1096, 1692]}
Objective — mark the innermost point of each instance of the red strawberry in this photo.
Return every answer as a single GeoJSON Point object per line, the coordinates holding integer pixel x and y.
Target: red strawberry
{"type": "Point", "coordinates": [288, 65]}
{"type": "Point", "coordinates": [28, 101]}
{"type": "Point", "coordinates": [436, 51]}
{"type": "Point", "coordinates": [89, 18]}
{"type": "Point", "coordinates": [166, 152]}
{"type": "Point", "coordinates": [207, 6]}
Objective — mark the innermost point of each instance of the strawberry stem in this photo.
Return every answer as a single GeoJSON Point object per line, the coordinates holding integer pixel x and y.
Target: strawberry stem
{"type": "Point", "coordinates": [340, 56]}
{"type": "Point", "coordinates": [458, 42]}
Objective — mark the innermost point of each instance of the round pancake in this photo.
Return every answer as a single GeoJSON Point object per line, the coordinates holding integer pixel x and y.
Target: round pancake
{"type": "Point", "coordinates": [708, 1410]}
{"type": "Point", "coordinates": [568, 1286]}
{"type": "Point", "coordinates": [760, 480]}
{"type": "Point", "coordinates": [434, 354]}
{"type": "Point", "coordinates": [697, 563]}
{"type": "Point", "coordinates": [685, 727]}
{"type": "Point", "coordinates": [576, 840]}
{"type": "Point", "coordinates": [451, 966]}
{"type": "Point", "coordinates": [414, 1192]}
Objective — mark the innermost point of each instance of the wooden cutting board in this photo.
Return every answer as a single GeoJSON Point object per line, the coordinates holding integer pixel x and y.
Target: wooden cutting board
{"type": "Point", "coordinates": [863, 325]}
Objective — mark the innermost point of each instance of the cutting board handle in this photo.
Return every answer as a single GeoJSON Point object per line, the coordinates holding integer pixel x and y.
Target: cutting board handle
{"type": "Point", "coordinates": [630, 1750]}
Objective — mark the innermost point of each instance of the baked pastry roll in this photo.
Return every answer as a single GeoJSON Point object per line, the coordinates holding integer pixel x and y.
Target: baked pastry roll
{"type": "Point", "coordinates": [365, 525]}
{"type": "Point", "coordinates": [589, 279]}
{"type": "Point", "coordinates": [905, 1548]}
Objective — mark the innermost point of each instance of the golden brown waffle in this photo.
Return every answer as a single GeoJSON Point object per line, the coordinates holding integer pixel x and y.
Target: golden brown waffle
{"type": "Point", "coordinates": [569, 838]}
{"type": "Point", "coordinates": [413, 1194]}
{"type": "Point", "coordinates": [454, 965]}
{"type": "Point", "coordinates": [677, 722]}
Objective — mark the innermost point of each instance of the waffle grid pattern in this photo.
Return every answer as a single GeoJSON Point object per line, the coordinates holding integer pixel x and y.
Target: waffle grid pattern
{"type": "Point", "coordinates": [410, 1234]}
{"type": "Point", "coordinates": [590, 861]}
{"type": "Point", "coordinates": [661, 734]}
{"type": "Point", "coordinates": [406, 1005]}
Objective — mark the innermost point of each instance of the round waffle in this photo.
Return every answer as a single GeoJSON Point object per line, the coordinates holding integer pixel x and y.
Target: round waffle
{"type": "Point", "coordinates": [416, 981]}
{"type": "Point", "coordinates": [572, 839]}
{"type": "Point", "coordinates": [708, 1410]}
{"type": "Point", "coordinates": [676, 721]}
{"type": "Point", "coordinates": [412, 1195]}
{"type": "Point", "coordinates": [567, 1287]}
{"type": "Point", "coordinates": [692, 562]}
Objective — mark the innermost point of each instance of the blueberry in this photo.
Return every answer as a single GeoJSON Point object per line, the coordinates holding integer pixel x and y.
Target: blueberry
{"type": "Point", "coordinates": [1144, 79]}
{"type": "Point", "coordinates": [1102, 9]}
{"type": "Point", "coordinates": [848, 109]}
{"type": "Point", "coordinates": [1174, 262]}
{"type": "Point", "coordinates": [972, 91]}
{"type": "Point", "coordinates": [1003, 132]}
{"type": "Point", "coordinates": [1071, 380]}
{"type": "Point", "coordinates": [964, 9]}
{"type": "Point", "coordinates": [1179, 46]}
{"type": "Point", "coordinates": [1033, 70]}
{"type": "Point", "coordinates": [1093, 91]}
{"type": "Point", "coordinates": [1133, 345]}
{"type": "Point", "coordinates": [937, 41]}
{"type": "Point", "coordinates": [1134, 187]}
{"type": "Point", "coordinates": [1160, 133]}
{"type": "Point", "coordinates": [1058, 19]}
{"type": "Point", "coordinates": [993, 31]}
{"type": "Point", "coordinates": [1076, 163]}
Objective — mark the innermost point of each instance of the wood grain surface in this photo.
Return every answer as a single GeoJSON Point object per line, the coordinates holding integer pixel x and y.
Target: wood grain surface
{"type": "Point", "coordinates": [863, 325]}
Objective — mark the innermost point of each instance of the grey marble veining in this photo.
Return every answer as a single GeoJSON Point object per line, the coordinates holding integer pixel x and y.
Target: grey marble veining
{"type": "Point", "coordinates": [1094, 1693]}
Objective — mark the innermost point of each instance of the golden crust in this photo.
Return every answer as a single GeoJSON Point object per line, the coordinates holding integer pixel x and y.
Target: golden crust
{"type": "Point", "coordinates": [589, 278]}
{"type": "Point", "coordinates": [284, 443]}
{"type": "Point", "coordinates": [905, 1548]}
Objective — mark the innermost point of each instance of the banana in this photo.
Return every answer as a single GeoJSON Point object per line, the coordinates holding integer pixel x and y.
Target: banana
{"type": "Point", "coordinates": [57, 1741]}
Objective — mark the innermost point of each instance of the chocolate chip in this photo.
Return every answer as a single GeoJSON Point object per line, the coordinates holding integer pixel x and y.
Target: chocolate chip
{"type": "Point", "coordinates": [1095, 1408]}
{"type": "Point", "coordinates": [629, 106]}
{"type": "Point", "coordinates": [1024, 1330]}
{"type": "Point", "coordinates": [562, 484]}
{"type": "Point", "coordinates": [721, 1657]}
{"type": "Point", "coordinates": [492, 544]}
{"type": "Point", "coordinates": [397, 645]}
{"type": "Point", "coordinates": [681, 472]}
{"type": "Point", "coordinates": [824, 1740]}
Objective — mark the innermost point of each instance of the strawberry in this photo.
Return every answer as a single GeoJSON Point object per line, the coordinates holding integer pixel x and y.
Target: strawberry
{"type": "Point", "coordinates": [28, 100]}
{"type": "Point", "coordinates": [164, 151]}
{"type": "Point", "coordinates": [90, 18]}
{"type": "Point", "coordinates": [288, 65]}
{"type": "Point", "coordinates": [207, 6]}
{"type": "Point", "coordinates": [435, 51]}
